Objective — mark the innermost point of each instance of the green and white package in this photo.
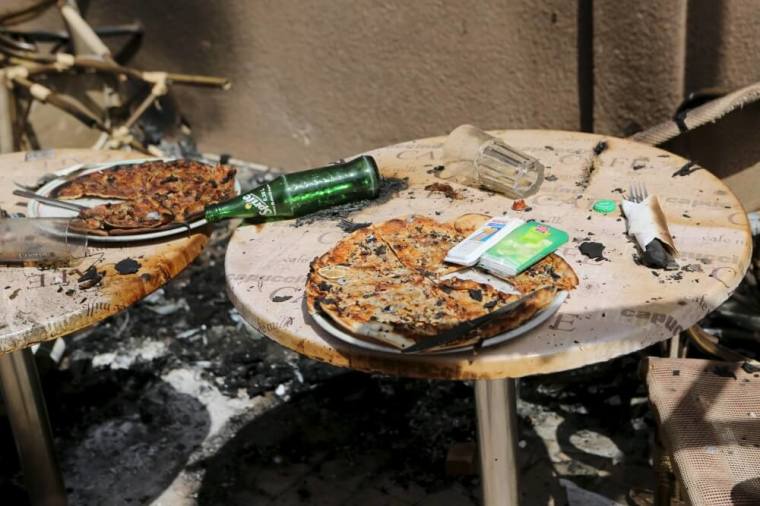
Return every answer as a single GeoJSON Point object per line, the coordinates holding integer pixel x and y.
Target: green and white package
{"type": "Point", "coordinates": [521, 248]}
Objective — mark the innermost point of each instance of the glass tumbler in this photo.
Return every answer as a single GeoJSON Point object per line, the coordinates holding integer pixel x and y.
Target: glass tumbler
{"type": "Point", "coordinates": [40, 241]}
{"type": "Point", "coordinates": [477, 159]}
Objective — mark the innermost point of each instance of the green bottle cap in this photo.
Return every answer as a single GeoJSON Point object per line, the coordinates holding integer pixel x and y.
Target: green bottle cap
{"type": "Point", "coordinates": [605, 206]}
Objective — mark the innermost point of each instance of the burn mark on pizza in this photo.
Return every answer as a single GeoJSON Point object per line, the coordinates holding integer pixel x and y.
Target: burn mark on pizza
{"type": "Point", "coordinates": [600, 147]}
{"type": "Point", "coordinates": [491, 304]}
{"type": "Point", "coordinates": [550, 177]}
{"type": "Point", "coordinates": [229, 175]}
{"type": "Point", "coordinates": [381, 250]}
{"type": "Point", "coordinates": [593, 250]}
{"type": "Point", "coordinates": [447, 289]}
{"type": "Point", "coordinates": [127, 266]}
{"type": "Point", "coordinates": [445, 189]}
{"type": "Point", "coordinates": [14, 294]}
{"type": "Point", "coordinates": [475, 294]}
{"type": "Point", "coordinates": [91, 277]}
{"type": "Point", "coordinates": [324, 286]}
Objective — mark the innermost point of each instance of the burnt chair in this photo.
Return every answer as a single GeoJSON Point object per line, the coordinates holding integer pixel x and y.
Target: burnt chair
{"type": "Point", "coordinates": [708, 417]}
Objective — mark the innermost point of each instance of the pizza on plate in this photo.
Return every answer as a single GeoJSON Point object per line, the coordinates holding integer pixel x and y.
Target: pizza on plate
{"type": "Point", "coordinates": [388, 283]}
{"type": "Point", "coordinates": [149, 196]}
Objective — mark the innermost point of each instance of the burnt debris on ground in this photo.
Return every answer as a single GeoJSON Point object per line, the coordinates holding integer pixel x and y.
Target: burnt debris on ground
{"type": "Point", "coordinates": [139, 406]}
{"type": "Point", "coordinates": [205, 405]}
{"type": "Point", "coordinates": [179, 398]}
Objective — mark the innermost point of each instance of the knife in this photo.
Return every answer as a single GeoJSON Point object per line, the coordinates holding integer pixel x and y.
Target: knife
{"type": "Point", "coordinates": [71, 206]}
{"type": "Point", "coordinates": [459, 330]}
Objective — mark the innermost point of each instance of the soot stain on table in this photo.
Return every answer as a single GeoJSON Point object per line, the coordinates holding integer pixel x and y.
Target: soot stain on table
{"type": "Point", "coordinates": [593, 250]}
{"type": "Point", "coordinates": [90, 278]}
{"type": "Point", "coordinates": [687, 169]}
{"type": "Point", "coordinates": [585, 179]}
{"type": "Point", "coordinates": [349, 226]}
{"type": "Point", "coordinates": [445, 189]}
{"type": "Point", "coordinates": [389, 188]}
{"type": "Point", "coordinates": [127, 266]}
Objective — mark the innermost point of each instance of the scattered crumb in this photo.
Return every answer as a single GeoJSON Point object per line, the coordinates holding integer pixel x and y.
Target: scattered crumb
{"type": "Point", "coordinates": [444, 188]}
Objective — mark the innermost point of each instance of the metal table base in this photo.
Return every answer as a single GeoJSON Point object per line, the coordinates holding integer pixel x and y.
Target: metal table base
{"type": "Point", "coordinates": [496, 408]}
{"type": "Point", "coordinates": [28, 417]}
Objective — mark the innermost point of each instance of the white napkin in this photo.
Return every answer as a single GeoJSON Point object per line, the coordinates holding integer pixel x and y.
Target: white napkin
{"type": "Point", "coordinates": [646, 222]}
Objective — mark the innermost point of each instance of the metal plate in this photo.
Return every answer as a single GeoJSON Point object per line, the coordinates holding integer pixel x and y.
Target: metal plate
{"type": "Point", "coordinates": [327, 324]}
{"type": "Point", "coordinates": [36, 209]}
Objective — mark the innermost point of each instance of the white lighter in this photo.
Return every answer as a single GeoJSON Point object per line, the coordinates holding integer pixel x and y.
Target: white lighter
{"type": "Point", "coordinates": [468, 251]}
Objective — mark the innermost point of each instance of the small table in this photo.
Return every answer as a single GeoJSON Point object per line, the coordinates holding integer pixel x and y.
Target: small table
{"type": "Point", "coordinates": [37, 305]}
{"type": "Point", "coordinates": [618, 308]}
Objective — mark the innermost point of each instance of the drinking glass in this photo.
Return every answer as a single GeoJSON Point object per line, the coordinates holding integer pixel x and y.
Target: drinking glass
{"type": "Point", "coordinates": [477, 159]}
{"type": "Point", "coordinates": [46, 241]}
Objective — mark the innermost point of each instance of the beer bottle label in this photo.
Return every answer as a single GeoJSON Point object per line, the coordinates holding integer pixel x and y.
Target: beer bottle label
{"type": "Point", "coordinates": [262, 200]}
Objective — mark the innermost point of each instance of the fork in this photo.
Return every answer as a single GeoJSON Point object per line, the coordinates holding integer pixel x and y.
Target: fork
{"type": "Point", "coordinates": [637, 192]}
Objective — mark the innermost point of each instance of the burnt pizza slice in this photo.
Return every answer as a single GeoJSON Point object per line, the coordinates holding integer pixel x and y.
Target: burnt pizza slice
{"type": "Point", "coordinates": [421, 243]}
{"type": "Point", "coordinates": [362, 249]}
{"type": "Point", "coordinates": [141, 214]}
{"type": "Point", "coordinates": [480, 299]}
{"type": "Point", "coordinates": [396, 309]}
{"type": "Point", "coordinates": [551, 270]}
{"type": "Point", "coordinates": [120, 182]}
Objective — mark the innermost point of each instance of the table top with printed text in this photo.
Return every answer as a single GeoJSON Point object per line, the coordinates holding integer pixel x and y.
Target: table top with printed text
{"type": "Point", "coordinates": [39, 304]}
{"type": "Point", "coordinates": [619, 306]}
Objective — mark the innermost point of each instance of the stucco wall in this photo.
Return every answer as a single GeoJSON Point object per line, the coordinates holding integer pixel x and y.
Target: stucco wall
{"type": "Point", "coordinates": [317, 80]}
{"type": "Point", "coordinates": [313, 81]}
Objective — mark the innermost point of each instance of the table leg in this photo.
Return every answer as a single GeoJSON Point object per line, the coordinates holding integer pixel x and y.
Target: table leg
{"type": "Point", "coordinates": [675, 346]}
{"type": "Point", "coordinates": [27, 414]}
{"type": "Point", "coordinates": [496, 407]}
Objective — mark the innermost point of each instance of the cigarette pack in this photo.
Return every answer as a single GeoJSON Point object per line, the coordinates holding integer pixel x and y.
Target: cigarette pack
{"type": "Point", "coordinates": [521, 248]}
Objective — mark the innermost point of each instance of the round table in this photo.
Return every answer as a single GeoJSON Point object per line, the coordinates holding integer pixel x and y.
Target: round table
{"type": "Point", "coordinates": [41, 304]}
{"type": "Point", "coordinates": [619, 306]}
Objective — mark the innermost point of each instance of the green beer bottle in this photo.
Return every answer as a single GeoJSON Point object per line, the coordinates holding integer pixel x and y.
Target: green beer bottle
{"type": "Point", "coordinates": [300, 193]}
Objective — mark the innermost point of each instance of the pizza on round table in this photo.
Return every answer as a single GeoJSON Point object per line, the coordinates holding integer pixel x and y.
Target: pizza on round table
{"type": "Point", "coordinates": [388, 283]}
{"type": "Point", "coordinates": [153, 195]}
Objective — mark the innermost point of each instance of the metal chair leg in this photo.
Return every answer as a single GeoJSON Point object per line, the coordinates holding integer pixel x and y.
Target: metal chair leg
{"type": "Point", "coordinates": [496, 407]}
{"type": "Point", "coordinates": [27, 413]}
{"type": "Point", "coordinates": [664, 476]}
